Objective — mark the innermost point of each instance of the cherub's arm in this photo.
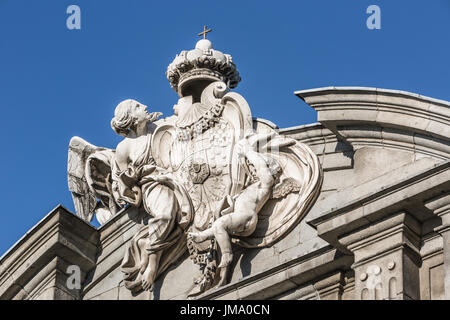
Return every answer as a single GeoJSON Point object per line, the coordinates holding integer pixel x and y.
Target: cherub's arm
{"type": "Point", "coordinates": [248, 148]}
{"type": "Point", "coordinates": [261, 167]}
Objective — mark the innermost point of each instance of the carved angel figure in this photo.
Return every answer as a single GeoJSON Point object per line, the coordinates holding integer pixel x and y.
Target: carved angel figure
{"type": "Point", "coordinates": [130, 176]}
{"type": "Point", "coordinates": [139, 182]}
{"type": "Point", "coordinates": [209, 171]}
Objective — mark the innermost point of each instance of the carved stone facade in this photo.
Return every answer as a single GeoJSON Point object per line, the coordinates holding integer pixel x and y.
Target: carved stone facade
{"type": "Point", "coordinates": [356, 206]}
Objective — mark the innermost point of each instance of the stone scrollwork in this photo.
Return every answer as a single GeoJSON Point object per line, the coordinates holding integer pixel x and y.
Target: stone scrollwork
{"type": "Point", "coordinates": [207, 180]}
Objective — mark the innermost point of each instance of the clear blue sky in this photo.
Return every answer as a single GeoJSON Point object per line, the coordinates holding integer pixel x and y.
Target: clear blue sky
{"type": "Point", "coordinates": [56, 83]}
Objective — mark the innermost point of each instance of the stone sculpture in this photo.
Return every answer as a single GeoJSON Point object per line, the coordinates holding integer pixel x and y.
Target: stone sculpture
{"type": "Point", "coordinates": [211, 177]}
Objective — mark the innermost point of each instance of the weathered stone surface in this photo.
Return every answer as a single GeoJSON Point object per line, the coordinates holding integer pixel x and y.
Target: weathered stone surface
{"type": "Point", "coordinates": [35, 268]}
{"type": "Point", "coordinates": [440, 206]}
{"type": "Point", "coordinates": [432, 287]}
{"type": "Point", "coordinates": [379, 228]}
{"type": "Point", "coordinates": [209, 178]}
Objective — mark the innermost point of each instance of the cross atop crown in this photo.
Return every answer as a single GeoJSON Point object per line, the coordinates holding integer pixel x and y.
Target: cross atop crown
{"type": "Point", "coordinates": [202, 63]}
{"type": "Point", "coordinates": [205, 31]}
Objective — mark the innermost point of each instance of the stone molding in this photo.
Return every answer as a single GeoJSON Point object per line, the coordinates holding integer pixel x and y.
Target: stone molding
{"type": "Point", "coordinates": [401, 226]}
{"type": "Point", "coordinates": [396, 193]}
{"type": "Point", "coordinates": [333, 153]}
{"type": "Point", "coordinates": [113, 237]}
{"type": "Point", "coordinates": [39, 260]}
{"type": "Point", "coordinates": [440, 206]}
{"type": "Point", "coordinates": [383, 118]}
{"type": "Point", "coordinates": [387, 258]}
{"type": "Point", "coordinates": [286, 276]}
{"type": "Point", "coordinates": [384, 229]}
{"type": "Point", "coordinates": [399, 209]}
{"type": "Point", "coordinates": [290, 274]}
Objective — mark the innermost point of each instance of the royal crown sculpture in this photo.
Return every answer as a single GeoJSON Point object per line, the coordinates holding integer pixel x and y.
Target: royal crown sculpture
{"type": "Point", "coordinates": [210, 178]}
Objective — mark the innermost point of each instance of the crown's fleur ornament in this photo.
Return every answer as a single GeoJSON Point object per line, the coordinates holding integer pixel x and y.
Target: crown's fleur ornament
{"type": "Point", "coordinates": [202, 63]}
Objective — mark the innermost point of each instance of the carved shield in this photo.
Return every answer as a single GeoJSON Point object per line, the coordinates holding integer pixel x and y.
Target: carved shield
{"type": "Point", "coordinates": [203, 165]}
{"type": "Point", "coordinates": [209, 169]}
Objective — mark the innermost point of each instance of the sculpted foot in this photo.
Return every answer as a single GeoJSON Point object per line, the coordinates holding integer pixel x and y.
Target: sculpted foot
{"type": "Point", "coordinates": [144, 263]}
{"type": "Point", "coordinates": [223, 276]}
{"type": "Point", "coordinates": [197, 236]}
{"type": "Point", "coordinates": [147, 281]}
{"type": "Point", "coordinates": [227, 257]}
{"type": "Point", "coordinates": [144, 255]}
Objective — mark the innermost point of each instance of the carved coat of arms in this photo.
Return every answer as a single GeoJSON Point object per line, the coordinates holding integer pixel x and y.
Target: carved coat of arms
{"type": "Point", "coordinates": [198, 172]}
{"type": "Point", "coordinates": [210, 177]}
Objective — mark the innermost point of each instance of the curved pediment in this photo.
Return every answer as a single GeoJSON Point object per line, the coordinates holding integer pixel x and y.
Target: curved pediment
{"type": "Point", "coordinates": [383, 118]}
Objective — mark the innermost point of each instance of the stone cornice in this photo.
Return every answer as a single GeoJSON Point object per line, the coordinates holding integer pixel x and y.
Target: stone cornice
{"type": "Point", "coordinates": [305, 94]}
{"type": "Point", "coordinates": [113, 237]}
{"type": "Point", "coordinates": [383, 118]}
{"type": "Point", "coordinates": [286, 276]}
{"type": "Point", "coordinates": [333, 153]}
{"type": "Point", "coordinates": [439, 205]}
{"type": "Point", "coordinates": [398, 192]}
{"type": "Point", "coordinates": [311, 134]}
{"type": "Point", "coordinates": [59, 234]}
{"type": "Point", "coordinates": [399, 230]}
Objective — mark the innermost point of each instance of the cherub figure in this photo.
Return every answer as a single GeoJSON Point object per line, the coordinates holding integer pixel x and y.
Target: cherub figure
{"type": "Point", "coordinates": [241, 217]}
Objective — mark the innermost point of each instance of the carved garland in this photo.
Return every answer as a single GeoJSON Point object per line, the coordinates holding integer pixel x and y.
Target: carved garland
{"type": "Point", "coordinates": [206, 121]}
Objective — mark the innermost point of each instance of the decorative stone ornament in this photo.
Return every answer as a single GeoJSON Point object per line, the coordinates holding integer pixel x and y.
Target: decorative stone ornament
{"type": "Point", "coordinates": [379, 230]}
{"type": "Point", "coordinates": [206, 178]}
{"type": "Point", "coordinates": [202, 63]}
{"type": "Point", "coordinates": [198, 172]}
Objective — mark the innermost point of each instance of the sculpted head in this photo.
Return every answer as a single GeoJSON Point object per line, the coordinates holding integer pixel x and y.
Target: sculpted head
{"type": "Point", "coordinates": [129, 114]}
{"type": "Point", "coordinates": [182, 106]}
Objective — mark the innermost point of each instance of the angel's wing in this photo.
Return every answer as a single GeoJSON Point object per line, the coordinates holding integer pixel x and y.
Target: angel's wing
{"type": "Point", "coordinates": [84, 196]}
{"type": "Point", "coordinates": [99, 179]}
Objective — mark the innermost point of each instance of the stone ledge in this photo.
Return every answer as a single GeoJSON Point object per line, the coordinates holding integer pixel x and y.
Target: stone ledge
{"type": "Point", "coordinates": [373, 107]}
{"type": "Point", "coordinates": [334, 154]}
{"type": "Point", "coordinates": [113, 237]}
{"type": "Point", "coordinates": [60, 234]}
{"type": "Point", "coordinates": [284, 277]}
{"type": "Point", "coordinates": [304, 94]}
{"type": "Point", "coordinates": [398, 191]}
